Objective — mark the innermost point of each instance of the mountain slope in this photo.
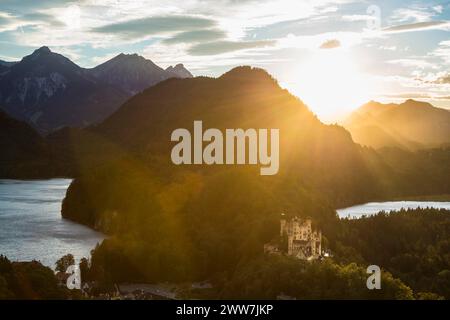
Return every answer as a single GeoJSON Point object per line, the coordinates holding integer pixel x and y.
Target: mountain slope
{"type": "Point", "coordinates": [410, 125]}
{"type": "Point", "coordinates": [3, 68]}
{"type": "Point", "coordinates": [18, 140]}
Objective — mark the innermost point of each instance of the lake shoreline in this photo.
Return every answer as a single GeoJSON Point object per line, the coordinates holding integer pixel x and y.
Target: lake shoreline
{"type": "Point", "coordinates": [374, 207]}
{"type": "Point", "coordinates": [32, 227]}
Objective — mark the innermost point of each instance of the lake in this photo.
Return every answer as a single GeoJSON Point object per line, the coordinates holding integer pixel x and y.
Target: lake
{"type": "Point", "coordinates": [374, 207]}
{"type": "Point", "coordinates": [31, 226]}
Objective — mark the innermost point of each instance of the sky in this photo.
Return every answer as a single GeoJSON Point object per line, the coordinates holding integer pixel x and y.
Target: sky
{"type": "Point", "coordinates": [334, 55]}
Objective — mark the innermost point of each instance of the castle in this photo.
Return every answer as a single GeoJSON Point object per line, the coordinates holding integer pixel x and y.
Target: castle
{"type": "Point", "coordinates": [300, 239]}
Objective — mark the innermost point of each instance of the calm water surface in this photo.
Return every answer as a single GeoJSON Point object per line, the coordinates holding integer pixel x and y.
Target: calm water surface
{"type": "Point", "coordinates": [31, 226]}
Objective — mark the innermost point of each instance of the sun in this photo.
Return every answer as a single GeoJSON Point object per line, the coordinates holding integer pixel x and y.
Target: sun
{"type": "Point", "coordinates": [330, 83]}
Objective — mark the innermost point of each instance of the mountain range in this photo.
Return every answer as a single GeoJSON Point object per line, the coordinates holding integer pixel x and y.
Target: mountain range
{"type": "Point", "coordinates": [49, 91]}
{"type": "Point", "coordinates": [410, 125]}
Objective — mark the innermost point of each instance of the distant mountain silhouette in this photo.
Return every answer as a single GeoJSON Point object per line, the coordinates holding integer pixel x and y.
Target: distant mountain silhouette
{"type": "Point", "coordinates": [133, 73]}
{"type": "Point", "coordinates": [179, 71]}
{"type": "Point", "coordinates": [49, 91]}
{"type": "Point", "coordinates": [409, 125]}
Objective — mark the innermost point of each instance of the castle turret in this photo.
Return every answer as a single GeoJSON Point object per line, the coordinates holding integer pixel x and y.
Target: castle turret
{"type": "Point", "coordinates": [282, 224]}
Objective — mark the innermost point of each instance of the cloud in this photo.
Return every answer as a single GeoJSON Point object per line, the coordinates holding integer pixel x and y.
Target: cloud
{"type": "Point", "coordinates": [10, 22]}
{"type": "Point", "coordinates": [429, 25]}
{"type": "Point", "coordinates": [435, 84]}
{"type": "Point", "coordinates": [358, 17]}
{"type": "Point", "coordinates": [327, 39]}
{"type": "Point", "coordinates": [139, 28]}
{"type": "Point", "coordinates": [196, 36]}
{"type": "Point", "coordinates": [417, 17]}
{"type": "Point", "coordinates": [439, 9]}
{"type": "Point", "coordinates": [416, 13]}
{"type": "Point", "coordinates": [443, 52]}
{"type": "Point", "coordinates": [219, 47]}
{"type": "Point", "coordinates": [38, 17]}
{"type": "Point", "coordinates": [31, 5]}
{"type": "Point", "coordinates": [388, 48]}
{"type": "Point", "coordinates": [414, 63]}
{"type": "Point", "coordinates": [330, 44]}
{"type": "Point", "coordinates": [443, 80]}
{"type": "Point", "coordinates": [7, 22]}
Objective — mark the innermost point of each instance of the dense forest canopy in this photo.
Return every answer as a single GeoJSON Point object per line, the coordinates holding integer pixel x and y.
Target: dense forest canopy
{"type": "Point", "coordinates": [414, 245]}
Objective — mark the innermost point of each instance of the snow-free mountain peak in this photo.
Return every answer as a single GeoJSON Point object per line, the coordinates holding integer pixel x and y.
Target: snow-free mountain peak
{"type": "Point", "coordinates": [134, 73]}
{"type": "Point", "coordinates": [180, 71]}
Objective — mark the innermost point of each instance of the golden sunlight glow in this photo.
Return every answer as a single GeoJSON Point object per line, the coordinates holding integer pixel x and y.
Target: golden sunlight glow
{"type": "Point", "coordinates": [330, 84]}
